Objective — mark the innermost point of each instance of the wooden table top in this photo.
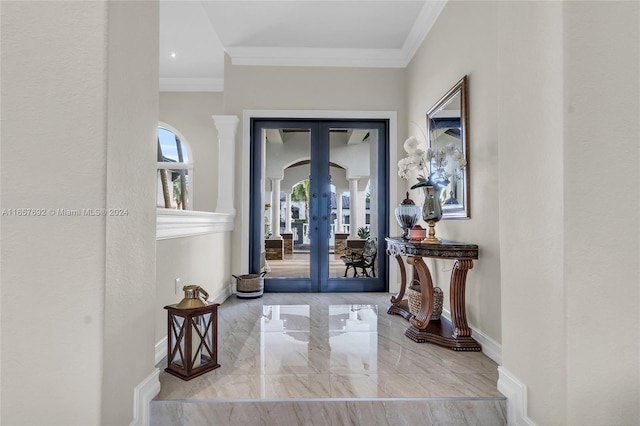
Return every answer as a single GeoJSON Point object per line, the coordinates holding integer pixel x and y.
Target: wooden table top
{"type": "Point", "coordinates": [444, 249]}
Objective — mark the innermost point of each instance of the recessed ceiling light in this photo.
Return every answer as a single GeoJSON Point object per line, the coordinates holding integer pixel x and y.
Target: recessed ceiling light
{"type": "Point", "coordinates": [173, 55]}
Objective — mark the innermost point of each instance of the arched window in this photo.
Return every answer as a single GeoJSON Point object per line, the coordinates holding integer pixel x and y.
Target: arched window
{"type": "Point", "coordinates": [175, 170]}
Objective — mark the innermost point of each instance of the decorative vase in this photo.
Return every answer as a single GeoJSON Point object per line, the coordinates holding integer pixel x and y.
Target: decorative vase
{"type": "Point", "coordinates": [432, 204]}
{"type": "Point", "coordinates": [407, 215]}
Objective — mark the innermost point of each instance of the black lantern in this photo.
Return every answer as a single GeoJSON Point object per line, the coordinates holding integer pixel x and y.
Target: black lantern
{"type": "Point", "coordinates": [192, 335]}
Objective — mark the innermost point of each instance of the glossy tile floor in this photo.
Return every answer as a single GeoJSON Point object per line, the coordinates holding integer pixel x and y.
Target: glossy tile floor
{"type": "Point", "coordinates": [331, 345]}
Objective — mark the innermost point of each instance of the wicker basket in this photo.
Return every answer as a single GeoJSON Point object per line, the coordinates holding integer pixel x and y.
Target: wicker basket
{"type": "Point", "coordinates": [414, 297]}
{"type": "Point", "coordinates": [249, 285]}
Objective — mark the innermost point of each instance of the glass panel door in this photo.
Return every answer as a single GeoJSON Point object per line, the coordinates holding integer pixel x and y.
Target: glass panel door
{"type": "Point", "coordinates": [288, 170]}
{"type": "Point", "coordinates": [316, 199]}
{"type": "Point", "coordinates": [352, 216]}
{"type": "Point", "coordinates": [357, 193]}
{"type": "Point", "coordinates": [281, 241]}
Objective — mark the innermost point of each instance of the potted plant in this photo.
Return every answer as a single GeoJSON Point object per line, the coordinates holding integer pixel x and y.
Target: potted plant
{"type": "Point", "coordinates": [363, 232]}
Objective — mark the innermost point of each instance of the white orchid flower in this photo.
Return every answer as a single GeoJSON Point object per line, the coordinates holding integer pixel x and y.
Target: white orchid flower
{"type": "Point", "coordinates": [430, 154]}
{"type": "Point", "coordinates": [411, 144]}
{"type": "Point", "coordinates": [425, 161]}
{"type": "Point", "coordinates": [417, 158]}
{"type": "Point", "coordinates": [450, 149]}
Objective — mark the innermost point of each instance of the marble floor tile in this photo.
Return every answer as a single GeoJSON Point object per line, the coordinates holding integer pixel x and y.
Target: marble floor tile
{"type": "Point", "coordinates": [296, 386]}
{"type": "Point", "coordinates": [353, 412]}
{"type": "Point", "coordinates": [331, 345]}
{"type": "Point", "coordinates": [225, 387]}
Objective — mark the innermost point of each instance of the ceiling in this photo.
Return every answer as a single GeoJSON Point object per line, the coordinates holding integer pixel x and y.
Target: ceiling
{"type": "Point", "coordinates": [194, 36]}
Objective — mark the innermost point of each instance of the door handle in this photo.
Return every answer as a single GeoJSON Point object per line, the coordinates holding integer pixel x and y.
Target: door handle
{"type": "Point", "coordinates": [327, 213]}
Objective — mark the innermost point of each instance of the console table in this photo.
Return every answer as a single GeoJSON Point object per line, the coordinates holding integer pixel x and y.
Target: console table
{"type": "Point", "coordinates": [454, 334]}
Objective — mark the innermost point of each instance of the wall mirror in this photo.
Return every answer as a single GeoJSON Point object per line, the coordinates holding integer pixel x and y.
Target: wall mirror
{"type": "Point", "coordinates": [448, 122]}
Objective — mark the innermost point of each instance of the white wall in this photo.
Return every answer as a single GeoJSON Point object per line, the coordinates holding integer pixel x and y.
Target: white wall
{"type": "Point", "coordinates": [190, 113]}
{"type": "Point", "coordinates": [554, 126]}
{"type": "Point", "coordinates": [569, 131]}
{"type": "Point", "coordinates": [132, 120]}
{"type": "Point", "coordinates": [602, 202]}
{"type": "Point", "coordinates": [197, 260]}
{"type": "Point", "coordinates": [463, 41]}
{"type": "Point", "coordinates": [79, 110]}
{"type": "Point", "coordinates": [531, 209]}
{"type": "Point", "coordinates": [53, 113]}
{"type": "Point", "coordinates": [308, 89]}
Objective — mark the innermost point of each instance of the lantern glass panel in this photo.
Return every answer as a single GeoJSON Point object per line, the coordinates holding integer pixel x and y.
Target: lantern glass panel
{"type": "Point", "coordinates": [202, 340]}
{"type": "Point", "coordinates": [196, 349]}
{"type": "Point", "coordinates": [178, 323]}
{"type": "Point", "coordinates": [207, 354]}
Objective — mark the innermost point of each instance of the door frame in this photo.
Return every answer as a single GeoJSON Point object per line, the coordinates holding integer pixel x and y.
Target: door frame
{"type": "Point", "coordinates": [319, 152]}
{"type": "Point", "coordinates": [240, 245]}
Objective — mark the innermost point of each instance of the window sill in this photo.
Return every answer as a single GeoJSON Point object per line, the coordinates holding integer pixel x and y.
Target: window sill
{"type": "Point", "coordinates": [172, 223]}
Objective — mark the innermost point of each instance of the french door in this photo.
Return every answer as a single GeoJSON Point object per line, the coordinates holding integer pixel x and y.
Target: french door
{"type": "Point", "coordinates": [318, 200]}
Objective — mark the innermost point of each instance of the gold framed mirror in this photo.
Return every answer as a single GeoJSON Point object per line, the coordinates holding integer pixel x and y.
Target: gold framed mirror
{"type": "Point", "coordinates": [448, 123]}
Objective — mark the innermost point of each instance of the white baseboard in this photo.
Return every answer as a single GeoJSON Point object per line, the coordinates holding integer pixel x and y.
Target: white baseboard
{"type": "Point", "coordinates": [223, 295]}
{"type": "Point", "coordinates": [142, 396]}
{"type": "Point", "coordinates": [161, 350]}
{"type": "Point", "coordinates": [516, 393]}
{"type": "Point", "coordinates": [161, 345]}
{"type": "Point", "coordinates": [490, 347]}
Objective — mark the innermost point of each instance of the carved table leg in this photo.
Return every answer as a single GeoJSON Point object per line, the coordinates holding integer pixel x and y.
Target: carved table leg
{"type": "Point", "coordinates": [455, 334]}
{"type": "Point", "coordinates": [403, 280]}
{"type": "Point", "coordinates": [421, 321]}
{"type": "Point", "coordinates": [398, 305]}
{"type": "Point", "coordinates": [457, 298]}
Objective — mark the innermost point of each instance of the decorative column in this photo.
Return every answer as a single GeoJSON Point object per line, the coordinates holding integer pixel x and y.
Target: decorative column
{"type": "Point", "coordinates": [275, 208]}
{"type": "Point", "coordinates": [340, 243]}
{"type": "Point", "coordinates": [353, 208]}
{"type": "Point", "coordinates": [339, 213]}
{"type": "Point", "coordinates": [287, 235]}
{"type": "Point", "coordinates": [362, 208]}
{"type": "Point", "coordinates": [288, 219]}
{"type": "Point", "coordinates": [226, 125]}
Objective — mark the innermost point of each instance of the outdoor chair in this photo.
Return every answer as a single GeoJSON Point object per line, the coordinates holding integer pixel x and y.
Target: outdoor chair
{"type": "Point", "coordinates": [364, 258]}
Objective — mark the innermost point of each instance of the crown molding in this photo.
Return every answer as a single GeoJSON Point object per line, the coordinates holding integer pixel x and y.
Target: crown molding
{"type": "Point", "coordinates": [343, 57]}
{"type": "Point", "coordinates": [427, 17]}
{"type": "Point", "coordinates": [317, 57]}
{"type": "Point", "coordinates": [191, 84]}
